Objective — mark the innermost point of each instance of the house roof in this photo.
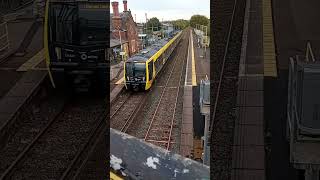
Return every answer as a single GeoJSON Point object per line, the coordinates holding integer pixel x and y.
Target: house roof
{"type": "Point", "coordinates": [116, 42]}
{"type": "Point", "coordinates": [124, 18]}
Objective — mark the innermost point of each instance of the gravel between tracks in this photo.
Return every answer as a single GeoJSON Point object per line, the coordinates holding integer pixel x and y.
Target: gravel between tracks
{"type": "Point", "coordinates": [123, 108]}
{"type": "Point", "coordinates": [32, 120]}
{"type": "Point", "coordinates": [52, 153]}
{"type": "Point", "coordinates": [227, 58]}
{"type": "Point", "coordinates": [95, 167]}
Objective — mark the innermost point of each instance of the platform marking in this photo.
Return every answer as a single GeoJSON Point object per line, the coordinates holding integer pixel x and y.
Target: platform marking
{"type": "Point", "coordinates": [193, 68]}
{"type": "Point", "coordinates": [120, 81]}
{"type": "Point", "coordinates": [269, 55]}
{"type": "Point", "coordinates": [32, 62]}
{"type": "Point", "coordinates": [194, 76]}
{"type": "Point", "coordinates": [114, 176]}
{"type": "Point", "coordinates": [187, 67]}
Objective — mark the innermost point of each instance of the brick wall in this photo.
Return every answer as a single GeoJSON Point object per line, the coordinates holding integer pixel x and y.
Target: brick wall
{"type": "Point", "coordinates": [131, 33]}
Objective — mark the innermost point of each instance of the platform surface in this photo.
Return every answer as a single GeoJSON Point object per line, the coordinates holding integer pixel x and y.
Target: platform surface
{"type": "Point", "coordinates": [248, 156]}
{"type": "Point", "coordinates": [18, 95]}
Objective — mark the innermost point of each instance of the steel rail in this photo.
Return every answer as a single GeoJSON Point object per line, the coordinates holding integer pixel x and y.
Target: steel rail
{"type": "Point", "coordinates": [158, 105]}
{"type": "Point", "coordinates": [157, 108]}
{"type": "Point", "coordinates": [91, 150]}
{"type": "Point", "coordinates": [94, 133]}
{"type": "Point", "coordinates": [24, 152]}
{"type": "Point", "coordinates": [132, 115]}
{"type": "Point", "coordinates": [175, 107]}
{"type": "Point", "coordinates": [116, 111]}
{"type": "Point", "coordinates": [84, 162]}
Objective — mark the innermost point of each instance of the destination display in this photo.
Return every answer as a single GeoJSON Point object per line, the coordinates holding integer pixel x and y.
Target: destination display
{"type": "Point", "coordinates": [91, 5]}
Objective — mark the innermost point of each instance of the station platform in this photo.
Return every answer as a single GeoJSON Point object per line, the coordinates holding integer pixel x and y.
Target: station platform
{"type": "Point", "coordinates": [116, 80]}
{"type": "Point", "coordinates": [271, 35]}
{"type": "Point", "coordinates": [186, 145]}
{"type": "Point", "coordinates": [16, 98]}
{"type": "Point", "coordinates": [256, 61]}
{"type": "Point", "coordinates": [197, 69]}
{"type": "Point", "coordinates": [10, 64]}
{"type": "Point", "coordinates": [116, 71]}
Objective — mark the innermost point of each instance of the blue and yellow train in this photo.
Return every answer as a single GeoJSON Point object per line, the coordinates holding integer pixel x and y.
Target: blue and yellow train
{"type": "Point", "coordinates": [142, 68]}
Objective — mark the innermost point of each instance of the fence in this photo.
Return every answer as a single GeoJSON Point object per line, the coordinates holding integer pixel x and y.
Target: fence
{"type": "Point", "coordinates": [4, 40]}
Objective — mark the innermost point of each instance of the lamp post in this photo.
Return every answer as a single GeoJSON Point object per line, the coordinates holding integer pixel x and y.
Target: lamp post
{"type": "Point", "coordinates": [121, 47]}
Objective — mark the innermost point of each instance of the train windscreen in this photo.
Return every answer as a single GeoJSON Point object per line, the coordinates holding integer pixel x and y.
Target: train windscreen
{"type": "Point", "coordinates": [135, 69]}
{"type": "Point", "coordinates": [93, 26]}
{"type": "Point", "coordinates": [71, 23]}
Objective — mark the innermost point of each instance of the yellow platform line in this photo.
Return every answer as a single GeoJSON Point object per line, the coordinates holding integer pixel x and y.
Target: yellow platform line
{"type": "Point", "coordinates": [120, 81]}
{"type": "Point", "coordinates": [32, 62]}
{"type": "Point", "coordinates": [194, 76]}
{"type": "Point", "coordinates": [113, 176]}
{"type": "Point", "coordinates": [269, 55]}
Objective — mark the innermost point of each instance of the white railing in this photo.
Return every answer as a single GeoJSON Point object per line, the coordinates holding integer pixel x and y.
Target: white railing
{"type": "Point", "coordinates": [4, 40]}
{"type": "Point", "coordinates": [12, 16]}
{"type": "Point", "coordinates": [309, 53]}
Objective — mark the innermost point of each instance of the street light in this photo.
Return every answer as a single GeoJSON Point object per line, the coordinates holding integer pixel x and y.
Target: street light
{"type": "Point", "coordinates": [206, 39]}
{"type": "Point", "coordinates": [121, 47]}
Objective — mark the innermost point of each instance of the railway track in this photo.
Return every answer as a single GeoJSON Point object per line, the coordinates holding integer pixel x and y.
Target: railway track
{"type": "Point", "coordinates": [160, 128]}
{"type": "Point", "coordinates": [164, 119]}
{"type": "Point", "coordinates": [94, 166]}
{"type": "Point", "coordinates": [125, 109]}
{"type": "Point", "coordinates": [32, 122]}
{"type": "Point", "coordinates": [59, 149]}
{"type": "Point", "coordinates": [160, 116]}
{"type": "Point", "coordinates": [226, 57]}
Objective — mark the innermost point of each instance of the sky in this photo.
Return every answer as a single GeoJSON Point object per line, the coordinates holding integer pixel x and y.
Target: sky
{"type": "Point", "coordinates": [166, 9]}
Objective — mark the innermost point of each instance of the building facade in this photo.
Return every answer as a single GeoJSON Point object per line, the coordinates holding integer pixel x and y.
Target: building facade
{"type": "Point", "coordinates": [123, 27]}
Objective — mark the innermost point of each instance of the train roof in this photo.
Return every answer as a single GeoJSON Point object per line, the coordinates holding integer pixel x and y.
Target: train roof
{"type": "Point", "coordinates": [148, 52]}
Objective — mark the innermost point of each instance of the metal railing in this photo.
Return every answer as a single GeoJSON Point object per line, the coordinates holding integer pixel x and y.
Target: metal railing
{"type": "Point", "coordinates": [295, 85]}
{"type": "Point", "coordinates": [309, 53]}
{"type": "Point", "coordinates": [4, 40]}
{"type": "Point", "coordinates": [205, 110]}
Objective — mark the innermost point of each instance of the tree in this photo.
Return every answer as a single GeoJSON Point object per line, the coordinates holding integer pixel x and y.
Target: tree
{"type": "Point", "coordinates": [153, 25]}
{"type": "Point", "coordinates": [181, 23]}
{"type": "Point", "coordinates": [199, 19]}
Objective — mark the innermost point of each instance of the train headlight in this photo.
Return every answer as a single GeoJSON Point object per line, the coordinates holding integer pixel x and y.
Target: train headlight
{"type": "Point", "coordinates": [58, 52]}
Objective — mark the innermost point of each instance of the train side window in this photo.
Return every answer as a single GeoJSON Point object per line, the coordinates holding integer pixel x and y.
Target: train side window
{"type": "Point", "coordinates": [150, 68]}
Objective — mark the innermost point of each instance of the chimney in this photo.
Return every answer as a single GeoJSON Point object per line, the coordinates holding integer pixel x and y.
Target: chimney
{"type": "Point", "coordinates": [115, 8]}
{"type": "Point", "coordinates": [125, 5]}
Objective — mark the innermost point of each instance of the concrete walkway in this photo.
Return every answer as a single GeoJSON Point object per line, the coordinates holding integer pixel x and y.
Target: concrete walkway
{"type": "Point", "coordinates": [116, 71]}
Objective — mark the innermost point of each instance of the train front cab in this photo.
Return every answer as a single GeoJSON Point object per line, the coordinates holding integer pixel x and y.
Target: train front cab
{"type": "Point", "coordinates": [138, 75]}
{"type": "Point", "coordinates": [73, 56]}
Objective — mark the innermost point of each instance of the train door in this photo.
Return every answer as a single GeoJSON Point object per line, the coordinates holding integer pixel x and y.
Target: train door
{"type": "Point", "coordinates": [150, 68]}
